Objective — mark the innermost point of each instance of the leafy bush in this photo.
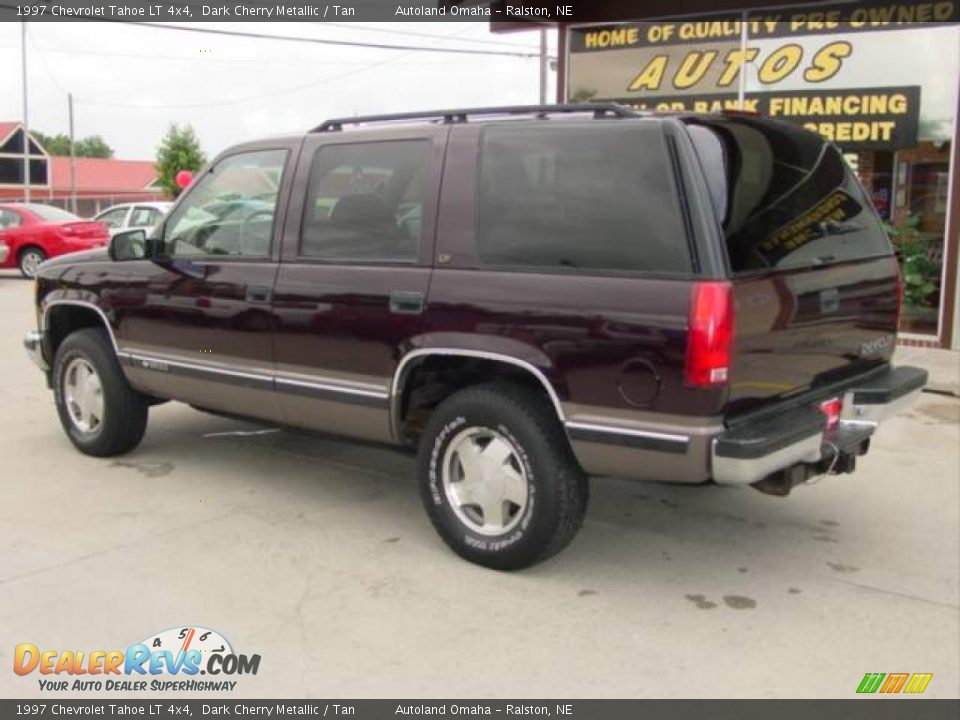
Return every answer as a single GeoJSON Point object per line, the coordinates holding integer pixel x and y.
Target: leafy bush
{"type": "Point", "coordinates": [921, 274]}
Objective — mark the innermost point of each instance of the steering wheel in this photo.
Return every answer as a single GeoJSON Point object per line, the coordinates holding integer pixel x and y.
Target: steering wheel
{"type": "Point", "coordinates": [200, 235]}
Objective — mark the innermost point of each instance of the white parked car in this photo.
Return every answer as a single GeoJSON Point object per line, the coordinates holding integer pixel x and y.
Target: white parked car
{"type": "Point", "coordinates": [130, 216]}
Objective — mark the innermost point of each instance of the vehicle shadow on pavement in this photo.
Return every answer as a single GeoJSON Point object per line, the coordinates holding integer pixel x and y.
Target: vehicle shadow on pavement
{"type": "Point", "coordinates": [631, 527]}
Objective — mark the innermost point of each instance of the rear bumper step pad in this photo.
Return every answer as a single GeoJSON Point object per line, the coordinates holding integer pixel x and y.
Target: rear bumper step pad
{"type": "Point", "coordinates": [757, 449]}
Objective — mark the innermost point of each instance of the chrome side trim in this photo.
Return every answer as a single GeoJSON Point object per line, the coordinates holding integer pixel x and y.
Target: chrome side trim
{"type": "Point", "coordinates": [744, 471]}
{"type": "Point", "coordinates": [399, 376]}
{"type": "Point", "coordinates": [181, 367]}
{"type": "Point", "coordinates": [631, 437]}
{"type": "Point", "coordinates": [81, 303]}
{"type": "Point", "coordinates": [322, 389]}
{"type": "Point", "coordinates": [33, 343]}
{"type": "Point", "coordinates": [340, 393]}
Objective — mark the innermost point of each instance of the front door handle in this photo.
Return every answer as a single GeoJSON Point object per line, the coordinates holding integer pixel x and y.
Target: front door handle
{"type": "Point", "coordinates": [258, 294]}
{"type": "Point", "coordinates": [406, 303]}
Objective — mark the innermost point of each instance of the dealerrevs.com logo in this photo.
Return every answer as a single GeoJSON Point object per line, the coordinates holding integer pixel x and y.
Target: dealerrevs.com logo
{"type": "Point", "coordinates": [171, 660]}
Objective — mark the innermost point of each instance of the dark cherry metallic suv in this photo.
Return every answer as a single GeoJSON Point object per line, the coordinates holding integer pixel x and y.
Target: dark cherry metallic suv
{"type": "Point", "coordinates": [528, 296]}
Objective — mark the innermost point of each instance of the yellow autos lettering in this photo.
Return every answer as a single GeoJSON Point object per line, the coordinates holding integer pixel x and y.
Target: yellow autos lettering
{"type": "Point", "coordinates": [651, 76]}
{"type": "Point", "coordinates": [782, 61]}
{"type": "Point", "coordinates": [693, 68]}
{"type": "Point", "coordinates": [733, 61]}
{"type": "Point", "coordinates": [828, 61]}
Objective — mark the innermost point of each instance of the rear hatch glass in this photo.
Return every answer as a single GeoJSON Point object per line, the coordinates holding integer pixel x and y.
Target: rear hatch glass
{"type": "Point", "coordinates": [813, 270]}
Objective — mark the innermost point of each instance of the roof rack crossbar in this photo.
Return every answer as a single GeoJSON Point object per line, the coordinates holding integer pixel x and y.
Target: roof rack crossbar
{"type": "Point", "coordinates": [449, 117]}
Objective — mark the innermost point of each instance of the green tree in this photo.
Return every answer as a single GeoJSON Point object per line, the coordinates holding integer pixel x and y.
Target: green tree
{"type": "Point", "coordinates": [59, 144]}
{"type": "Point", "coordinates": [179, 150]}
{"type": "Point", "coordinates": [94, 146]}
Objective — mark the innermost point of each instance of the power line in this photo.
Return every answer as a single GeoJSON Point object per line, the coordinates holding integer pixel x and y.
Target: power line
{"type": "Point", "coordinates": [337, 43]}
{"type": "Point", "coordinates": [410, 33]}
{"type": "Point", "coordinates": [183, 58]}
{"type": "Point", "coordinates": [43, 62]}
{"type": "Point", "coordinates": [260, 95]}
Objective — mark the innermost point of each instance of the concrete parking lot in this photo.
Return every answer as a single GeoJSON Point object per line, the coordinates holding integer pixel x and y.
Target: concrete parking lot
{"type": "Point", "coordinates": [315, 554]}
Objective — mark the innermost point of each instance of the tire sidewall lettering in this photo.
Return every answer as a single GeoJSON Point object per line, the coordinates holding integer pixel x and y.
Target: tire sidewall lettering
{"type": "Point", "coordinates": [435, 480]}
{"type": "Point", "coordinates": [438, 496]}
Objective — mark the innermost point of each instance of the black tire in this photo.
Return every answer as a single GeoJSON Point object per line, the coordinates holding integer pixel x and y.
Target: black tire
{"type": "Point", "coordinates": [28, 259]}
{"type": "Point", "coordinates": [557, 489]}
{"type": "Point", "coordinates": [124, 410]}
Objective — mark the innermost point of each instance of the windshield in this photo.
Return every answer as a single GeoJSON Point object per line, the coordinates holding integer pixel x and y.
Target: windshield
{"type": "Point", "coordinates": [51, 213]}
{"type": "Point", "coordinates": [786, 198]}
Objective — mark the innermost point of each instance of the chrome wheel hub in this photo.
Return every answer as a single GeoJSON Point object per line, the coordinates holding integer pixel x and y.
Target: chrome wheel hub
{"type": "Point", "coordinates": [484, 481]}
{"type": "Point", "coordinates": [83, 396]}
{"type": "Point", "coordinates": [31, 261]}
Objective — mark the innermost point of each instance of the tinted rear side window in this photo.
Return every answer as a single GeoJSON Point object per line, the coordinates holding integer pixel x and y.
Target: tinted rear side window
{"type": "Point", "coordinates": [597, 197]}
{"type": "Point", "coordinates": [791, 200]}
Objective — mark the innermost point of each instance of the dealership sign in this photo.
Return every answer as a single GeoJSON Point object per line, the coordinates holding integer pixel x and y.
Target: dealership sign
{"type": "Point", "coordinates": [822, 69]}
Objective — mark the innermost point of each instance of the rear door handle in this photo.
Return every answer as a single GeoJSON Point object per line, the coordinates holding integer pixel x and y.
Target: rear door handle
{"type": "Point", "coordinates": [406, 303]}
{"type": "Point", "coordinates": [259, 294]}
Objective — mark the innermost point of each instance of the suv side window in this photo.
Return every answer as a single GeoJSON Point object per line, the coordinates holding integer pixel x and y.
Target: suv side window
{"type": "Point", "coordinates": [231, 210]}
{"type": "Point", "coordinates": [365, 201]}
{"type": "Point", "coordinates": [576, 197]}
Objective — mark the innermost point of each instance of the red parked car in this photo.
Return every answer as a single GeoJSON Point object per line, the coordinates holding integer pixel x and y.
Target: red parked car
{"type": "Point", "coordinates": [30, 233]}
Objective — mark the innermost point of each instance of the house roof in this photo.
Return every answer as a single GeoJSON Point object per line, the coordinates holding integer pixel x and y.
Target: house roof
{"type": "Point", "coordinates": [6, 129]}
{"type": "Point", "coordinates": [103, 175]}
{"type": "Point", "coordinates": [93, 175]}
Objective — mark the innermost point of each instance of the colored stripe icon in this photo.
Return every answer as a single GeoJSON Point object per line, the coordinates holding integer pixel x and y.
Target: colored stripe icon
{"type": "Point", "coordinates": [912, 683]}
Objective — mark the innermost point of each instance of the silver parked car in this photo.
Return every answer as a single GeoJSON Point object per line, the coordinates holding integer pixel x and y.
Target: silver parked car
{"type": "Point", "coordinates": [131, 216]}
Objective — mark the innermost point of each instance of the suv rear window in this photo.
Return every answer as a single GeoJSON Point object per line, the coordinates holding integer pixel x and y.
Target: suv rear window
{"type": "Point", "coordinates": [597, 197]}
{"type": "Point", "coordinates": [787, 198]}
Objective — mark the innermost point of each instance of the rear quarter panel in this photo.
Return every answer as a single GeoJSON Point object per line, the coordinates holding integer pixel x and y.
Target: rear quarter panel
{"type": "Point", "coordinates": [612, 345]}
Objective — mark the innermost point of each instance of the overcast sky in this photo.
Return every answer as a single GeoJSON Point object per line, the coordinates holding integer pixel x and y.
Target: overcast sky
{"type": "Point", "coordinates": [130, 82]}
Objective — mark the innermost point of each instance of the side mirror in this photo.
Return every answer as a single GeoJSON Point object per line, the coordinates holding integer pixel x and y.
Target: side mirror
{"type": "Point", "coordinates": [129, 245]}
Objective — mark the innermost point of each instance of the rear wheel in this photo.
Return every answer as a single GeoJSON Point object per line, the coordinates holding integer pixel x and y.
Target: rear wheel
{"type": "Point", "coordinates": [29, 260]}
{"type": "Point", "coordinates": [498, 478]}
{"type": "Point", "coordinates": [101, 414]}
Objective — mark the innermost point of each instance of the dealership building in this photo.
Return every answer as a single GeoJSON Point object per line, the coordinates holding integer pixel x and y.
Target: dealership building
{"type": "Point", "coordinates": [88, 185]}
{"type": "Point", "coordinates": [880, 79]}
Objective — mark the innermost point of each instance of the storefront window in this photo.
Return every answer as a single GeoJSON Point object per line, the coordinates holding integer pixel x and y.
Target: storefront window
{"type": "Point", "coordinates": [885, 93]}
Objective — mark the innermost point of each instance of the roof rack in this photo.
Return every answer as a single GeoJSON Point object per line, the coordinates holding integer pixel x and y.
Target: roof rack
{"type": "Point", "coordinates": [450, 117]}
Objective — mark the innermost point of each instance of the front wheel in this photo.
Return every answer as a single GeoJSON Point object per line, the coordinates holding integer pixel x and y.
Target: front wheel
{"type": "Point", "coordinates": [29, 260]}
{"type": "Point", "coordinates": [101, 414]}
{"type": "Point", "coordinates": [498, 478]}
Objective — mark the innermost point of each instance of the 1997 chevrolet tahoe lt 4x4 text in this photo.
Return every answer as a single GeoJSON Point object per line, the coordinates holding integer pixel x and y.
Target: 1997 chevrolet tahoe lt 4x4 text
{"type": "Point", "coordinates": [526, 295]}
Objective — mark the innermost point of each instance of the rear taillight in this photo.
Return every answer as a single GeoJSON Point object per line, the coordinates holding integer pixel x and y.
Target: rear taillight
{"type": "Point", "coordinates": [832, 409]}
{"type": "Point", "coordinates": [710, 336]}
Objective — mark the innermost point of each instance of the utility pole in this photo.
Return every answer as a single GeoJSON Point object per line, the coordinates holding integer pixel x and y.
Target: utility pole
{"type": "Point", "coordinates": [26, 122]}
{"type": "Point", "coordinates": [544, 66]}
{"type": "Point", "coordinates": [744, 41]}
{"type": "Point", "coordinates": [73, 158]}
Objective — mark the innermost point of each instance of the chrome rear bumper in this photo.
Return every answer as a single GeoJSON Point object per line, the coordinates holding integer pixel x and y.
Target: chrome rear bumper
{"type": "Point", "coordinates": [752, 451]}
